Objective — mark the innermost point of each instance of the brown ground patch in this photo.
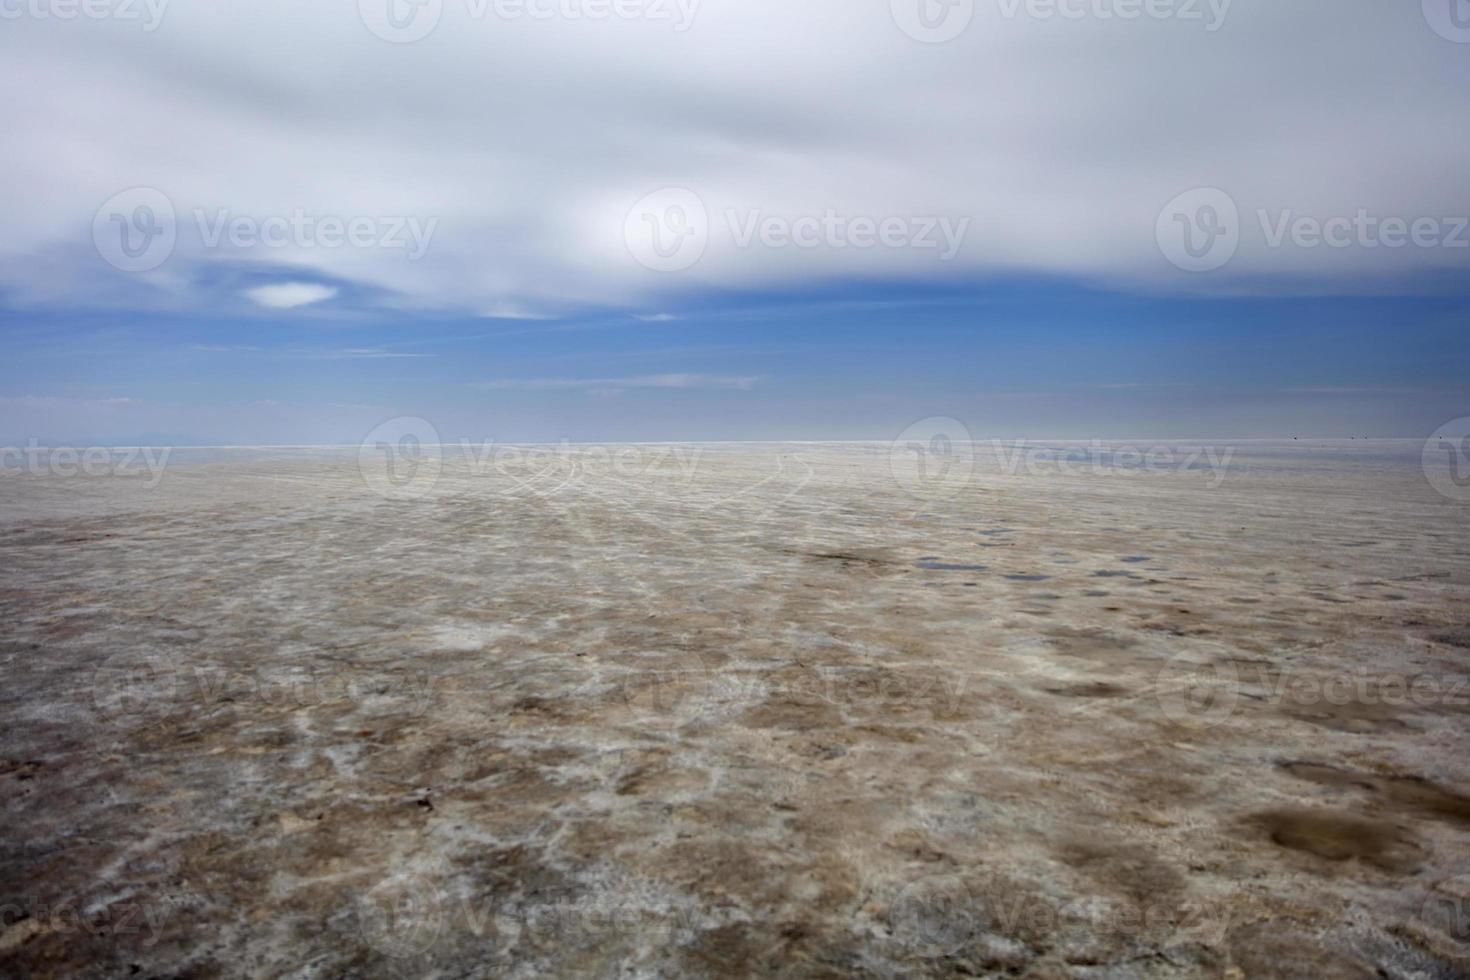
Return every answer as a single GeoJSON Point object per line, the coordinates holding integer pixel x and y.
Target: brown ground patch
{"type": "Point", "coordinates": [1342, 837]}
{"type": "Point", "coordinates": [1412, 794]}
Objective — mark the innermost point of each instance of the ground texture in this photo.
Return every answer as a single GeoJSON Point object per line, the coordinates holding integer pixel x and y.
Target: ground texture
{"type": "Point", "coordinates": [797, 710]}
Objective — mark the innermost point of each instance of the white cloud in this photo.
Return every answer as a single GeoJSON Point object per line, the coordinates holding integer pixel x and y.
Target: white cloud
{"type": "Point", "coordinates": [511, 311]}
{"type": "Point", "coordinates": [289, 295]}
{"type": "Point", "coordinates": [656, 317]}
{"type": "Point", "coordinates": [1061, 139]}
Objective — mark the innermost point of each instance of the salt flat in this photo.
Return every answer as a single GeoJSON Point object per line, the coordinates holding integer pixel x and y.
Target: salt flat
{"type": "Point", "coordinates": [798, 709]}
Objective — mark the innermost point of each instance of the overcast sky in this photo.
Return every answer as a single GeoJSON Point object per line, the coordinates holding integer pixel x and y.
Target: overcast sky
{"type": "Point", "coordinates": [348, 186]}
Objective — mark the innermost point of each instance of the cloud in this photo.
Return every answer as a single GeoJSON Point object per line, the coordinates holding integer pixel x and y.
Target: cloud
{"type": "Point", "coordinates": [613, 385]}
{"type": "Point", "coordinates": [1010, 125]}
{"type": "Point", "coordinates": [510, 311]}
{"type": "Point", "coordinates": [655, 317]}
{"type": "Point", "coordinates": [289, 295]}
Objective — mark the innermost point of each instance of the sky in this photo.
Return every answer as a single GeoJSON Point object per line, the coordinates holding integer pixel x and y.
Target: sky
{"type": "Point", "coordinates": [598, 220]}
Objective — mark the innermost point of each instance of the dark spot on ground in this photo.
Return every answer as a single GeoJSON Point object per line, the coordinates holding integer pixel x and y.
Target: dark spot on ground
{"type": "Point", "coordinates": [934, 565]}
{"type": "Point", "coordinates": [1337, 837]}
{"type": "Point", "coordinates": [1413, 794]}
{"type": "Point", "coordinates": [1092, 689]}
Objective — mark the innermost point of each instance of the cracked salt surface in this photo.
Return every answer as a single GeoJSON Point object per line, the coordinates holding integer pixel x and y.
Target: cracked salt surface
{"type": "Point", "coordinates": [737, 719]}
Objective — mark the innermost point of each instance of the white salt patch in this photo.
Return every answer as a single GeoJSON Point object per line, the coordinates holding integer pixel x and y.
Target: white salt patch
{"type": "Point", "coordinates": [468, 638]}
